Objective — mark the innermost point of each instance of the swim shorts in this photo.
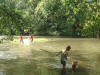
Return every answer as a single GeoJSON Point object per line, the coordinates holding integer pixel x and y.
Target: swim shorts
{"type": "Point", "coordinates": [63, 62]}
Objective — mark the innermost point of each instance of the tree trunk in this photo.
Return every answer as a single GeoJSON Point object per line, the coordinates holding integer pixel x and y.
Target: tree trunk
{"type": "Point", "coordinates": [98, 35]}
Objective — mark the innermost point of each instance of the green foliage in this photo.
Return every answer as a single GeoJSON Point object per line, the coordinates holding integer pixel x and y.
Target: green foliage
{"type": "Point", "coordinates": [50, 17]}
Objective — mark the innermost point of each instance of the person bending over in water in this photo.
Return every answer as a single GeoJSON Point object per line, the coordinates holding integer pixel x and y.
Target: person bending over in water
{"type": "Point", "coordinates": [64, 55]}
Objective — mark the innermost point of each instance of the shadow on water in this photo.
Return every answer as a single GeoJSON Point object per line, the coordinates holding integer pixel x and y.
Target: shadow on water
{"type": "Point", "coordinates": [63, 72]}
{"type": "Point", "coordinates": [32, 67]}
{"type": "Point", "coordinates": [29, 69]}
{"type": "Point", "coordinates": [35, 65]}
{"type": "Point", "coordinates": [96, 66]}
{"type": "Point", "coordinates": [79, 71]}
{"type": "Point", "coordinates": [39, 70]}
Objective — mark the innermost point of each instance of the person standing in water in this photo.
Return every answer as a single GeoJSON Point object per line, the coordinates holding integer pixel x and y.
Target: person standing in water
{"type": "Point", "coordinates": [21, 38]}
{"type": "Point", "coordinates": [31, 37]}
{"type": "Point", "coordinates": [64, 55]}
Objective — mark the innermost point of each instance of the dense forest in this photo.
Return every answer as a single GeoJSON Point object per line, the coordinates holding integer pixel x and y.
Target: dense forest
{"type": "Point", "coordinates": [72, 18]}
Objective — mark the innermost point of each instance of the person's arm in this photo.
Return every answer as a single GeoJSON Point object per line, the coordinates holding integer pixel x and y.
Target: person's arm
{"type": "Point", "coordinates": [58, 53]}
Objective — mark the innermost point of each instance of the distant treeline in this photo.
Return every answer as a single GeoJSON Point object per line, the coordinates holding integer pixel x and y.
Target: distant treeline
{"type": "Point", "coordinates": [72, 18]}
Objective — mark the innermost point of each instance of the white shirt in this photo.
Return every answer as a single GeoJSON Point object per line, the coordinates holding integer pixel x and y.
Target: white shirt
{"type": "Point", "coordinates": [64, 55]}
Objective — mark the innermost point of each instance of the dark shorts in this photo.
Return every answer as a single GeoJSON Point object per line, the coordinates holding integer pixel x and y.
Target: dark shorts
{"type": "Point", "coordinates": [63, 62]}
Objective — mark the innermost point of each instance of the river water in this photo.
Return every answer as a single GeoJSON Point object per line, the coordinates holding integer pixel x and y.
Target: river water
{"type": "Point", "coordinates": [39, 57]}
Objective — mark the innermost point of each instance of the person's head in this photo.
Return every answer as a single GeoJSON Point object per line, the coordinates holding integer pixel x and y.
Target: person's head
{"type": "Point", "coordinates": [68, 48]}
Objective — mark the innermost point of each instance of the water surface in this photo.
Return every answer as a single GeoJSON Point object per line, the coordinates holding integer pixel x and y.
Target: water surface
{"type": "Point", "coordinates": [39, 58]}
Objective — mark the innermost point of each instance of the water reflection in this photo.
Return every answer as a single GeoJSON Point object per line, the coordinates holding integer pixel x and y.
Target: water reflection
{"type": "Point", "coordinates": [63, 72]}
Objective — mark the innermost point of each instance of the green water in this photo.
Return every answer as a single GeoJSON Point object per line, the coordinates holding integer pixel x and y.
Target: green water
{"type": "Point", "coordinates": [40, 57]}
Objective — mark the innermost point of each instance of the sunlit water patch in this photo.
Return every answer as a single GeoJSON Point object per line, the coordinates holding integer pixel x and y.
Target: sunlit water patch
{"type": "Point", "coordinates": [8, 55]}
{"type": "Point", "coordinates": [27, 41]}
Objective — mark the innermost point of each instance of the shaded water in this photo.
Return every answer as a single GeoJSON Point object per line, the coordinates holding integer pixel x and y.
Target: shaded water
{"type": "Point", "coordinates": [39, 58]}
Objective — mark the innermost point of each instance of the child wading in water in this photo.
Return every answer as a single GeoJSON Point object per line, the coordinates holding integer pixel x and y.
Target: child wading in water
{"type": "Point", "coordinates": [21, 39]}
{"type": "Point", "coordinates": [31, 37]}
{"type": "Point", "coordinates": [64, 55]}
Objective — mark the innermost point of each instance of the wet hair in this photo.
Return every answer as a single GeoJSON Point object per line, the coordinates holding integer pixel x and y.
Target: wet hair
{"type": "Point", "coordinates": [68, 47]}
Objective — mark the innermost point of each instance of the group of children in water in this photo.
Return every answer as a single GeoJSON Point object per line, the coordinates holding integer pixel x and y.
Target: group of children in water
{"type": "Point", "coordinates": [64, 55]}
{"type": "Point", "coordinates": [31, 38]}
